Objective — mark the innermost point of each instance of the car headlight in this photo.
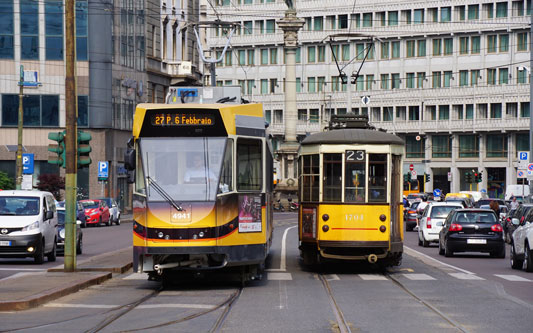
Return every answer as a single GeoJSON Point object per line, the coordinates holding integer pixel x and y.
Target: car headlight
{"type": "Point", "coordinates": [62, 233]}
{"type": "Point", "coordinates": [34, 225]}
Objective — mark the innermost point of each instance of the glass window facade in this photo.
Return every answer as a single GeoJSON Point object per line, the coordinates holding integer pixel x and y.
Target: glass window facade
{"type": "Point", "coordinates": [29, 30]}
{"type": "Point", "coordinates": [38, 110]}
{"type": "Point", "coordinates": [54, 30]}
{"type": "Point", "coordinates": [6, 29]}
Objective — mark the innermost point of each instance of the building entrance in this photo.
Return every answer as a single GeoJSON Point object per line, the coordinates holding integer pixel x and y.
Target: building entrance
{"type": "Point", "coordinates": [440, 180]}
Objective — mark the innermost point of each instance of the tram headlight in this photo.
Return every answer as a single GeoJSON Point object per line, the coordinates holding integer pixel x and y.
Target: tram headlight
{"type": "Point", "coordinates": [383, 228]}
{"type": "Point", "coordinates": [325, 217]}
{"type": "Point", "coordinates": [382, 217]}
{"type": "Point", "coordinates": [325, 228]}
{"type": "Point", "coordinates": [160, 234]}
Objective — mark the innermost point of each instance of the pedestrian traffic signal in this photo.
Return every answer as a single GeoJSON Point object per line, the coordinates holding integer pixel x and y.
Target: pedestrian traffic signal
{"type": "Point", "coordinates": [84, 149]}
{"type": "Point", "coordinates": [468, 177]}
{"type": "Point", "coordinates": [59, 149]}
{"type": "Point", "coordinates": [428, 177]}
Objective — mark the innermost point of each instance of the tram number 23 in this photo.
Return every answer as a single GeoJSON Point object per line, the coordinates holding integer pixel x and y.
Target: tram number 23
{"type": "Point", "coordinates": [355, 155]}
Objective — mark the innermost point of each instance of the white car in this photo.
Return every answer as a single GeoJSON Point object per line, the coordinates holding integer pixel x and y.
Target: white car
{"type": "Point", "coordinates": [432, 221]}
{"type": "Point", "coordinates": [522, 244]}
{"type": "Point", "coordinates": [114, 211]}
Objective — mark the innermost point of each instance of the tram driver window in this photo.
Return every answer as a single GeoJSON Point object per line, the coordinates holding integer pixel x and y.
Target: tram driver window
{"type": "Point", "coordinates": [226, 178]}
{"type": "Point", "coordinates": [332, 177]}
{"type": "Point", "coordinates": [249, 165]}
{"type": "Point", "coordinates": [377, 178]}
{"type": "Point", "coordinates": [355, 177]}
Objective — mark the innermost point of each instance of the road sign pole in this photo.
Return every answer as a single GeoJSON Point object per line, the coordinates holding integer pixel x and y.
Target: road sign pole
{"type": "Point", "coordinates": [18, 179]}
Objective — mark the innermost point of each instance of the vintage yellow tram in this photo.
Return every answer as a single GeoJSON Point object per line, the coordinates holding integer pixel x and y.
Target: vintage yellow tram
{"type": "Point", "coordinates": [350, 192]}
{"type": "Point", "coordinates": [203, 187]}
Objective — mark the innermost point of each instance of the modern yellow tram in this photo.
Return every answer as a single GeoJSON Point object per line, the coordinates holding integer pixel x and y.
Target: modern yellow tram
{"type": "Point", "coordinates": [351, 194]}
{"type": "Point", "coordinates": [203, 188]}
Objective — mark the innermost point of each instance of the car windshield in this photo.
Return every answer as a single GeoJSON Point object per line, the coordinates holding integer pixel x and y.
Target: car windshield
{"type": "Point", "coordinates": [89, 204]}
{"type": "Point", "coordinates": [19, 206]}
{"type": "Point", "coordinates": [475, 217]}
{"type": "Point", "coordinates": [415, 205]}
{"type": "Point", "coordinates": [441, 212]}
{"type": "Point", "coordinates": [184, 169]}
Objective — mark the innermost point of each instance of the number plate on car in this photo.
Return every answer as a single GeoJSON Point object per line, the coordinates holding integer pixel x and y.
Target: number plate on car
{"type": "Point", "coordinates": [5, 243]}
{"type": "Point", "coordinates": [476, 241]}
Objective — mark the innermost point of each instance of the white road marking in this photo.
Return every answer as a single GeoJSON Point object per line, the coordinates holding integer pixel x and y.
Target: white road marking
{"type": "Point", "coordinates": [512, 278]}
{"type": "Point", "coordinates": [283, 295]}
{"type": "Point", "coordinates": [283, 262]}
{"type": "Point", "coordinates": [372, 277]}
{"type": "Point", "coordinates": [463, 276]}
{"type": "Point", "coordinates": [280, 276]}
{"type": "Point", "coordinates": [440, 262]}
{"type": "Point", "coordinates": [14, 276]}
{"type": "Point", "coordinates": [332, 277]}
{"type": "Point", "coordinates": [182, 306]}
{"type": "Point", "coordinates": [136, 276]}
{"type": "Point", "coordinates": [86, 306]}
{"type": "Point", "coordinates": [24, 269]}
{"type": "Point", "coordinates": [418, 277]}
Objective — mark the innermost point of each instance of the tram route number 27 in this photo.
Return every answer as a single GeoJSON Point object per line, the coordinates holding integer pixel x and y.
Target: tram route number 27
{"type": "Point", "coordinates": [355, 155]}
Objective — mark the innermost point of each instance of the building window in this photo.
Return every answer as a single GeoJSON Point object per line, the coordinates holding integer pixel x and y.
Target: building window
{"type": "Point", "coordinates": [395, 78]}
{"type": "Point", "coordinates": [321, 83]}
{"type": "Point", "coordinates": [491, 76]}
{"type": "Point", "coordinates": [38, 110]}
{"type": "Point", "coordinates": [418, 16]}
{"type": "Point", "coordinates": [469, 111]}
{"type": "Point", "coordinates": [345, 52]}
{"type": "Point", "coordinates": [461, 11]}
{"type": "Point", "coordinates": [421, 48]}
{"type": "Point", "coordinates": [321, 50]}
{"type": "Point", "coordinates": [446, 14]}
{"type": "Point", "coordinates": [248, 27]}
{"type": "Point", "coordinates": [495, 110]}
{"type": "Point", "coordinates": [414, 113]}
{"type": "Point", "coordinates": [369, 81]}
{"type": "Point", "coordinates": [448, 46]}
{"type": "Point", "coordinates": [463, 78]}
{"type": "Point", "coordinates": [6, 30]}
{"type": "Point", "coordinates": [504, 43]}
{"type": "Point", "coordinates": [29, 30]}
{"type": "Point", "coordinates": [384, 81]}
{"type": "Point", "coordinates": [54, 30]}
{"type": "Point", "coordinates": [250, 56]}
{"type": "Point", "coordinates": [298, 84]}
{"type": "Point", "coordinates": [241, 55]}
{"type": "Point", "coordinates": [447, 79]}
{"type": "Point", "coordinates": [521, 75]}
{"type": "Point", "coordinates": [475, 44]}
{"type": "Point", "coordinates": [522, 142]}
{"type": "Point", "coordinates": [473, 12]}
{"type": "Point", "coordinates": [273, 56]}
{"type": "Point", "coordinates": [311, 84]}
{"type": "Point", "coordinates": [503, 76]}
{"type": "Point", "coordinates": [468, 146]}
{"type": "Point", "coordinates": [318, 23]}
{"type": "Point", "coordinates": [270, 26]}
{"type": "Point", "coordinates": [522, 41]}
{"type": "Point", "coordinates": [410, 80]}
{"type": "Point", "coordinates": [410, 52]}
{"type": "Point", "coordinates": [393, 18]}
{"type": "Point", "coordinates": [497, 145]}
{"type": "Point", "coordinates": [463, 45]}
{"type": "Point", "coordinates": [81, 32]}
{"type": "Point", "coordinates": [343, 21]}
{"type": "Point", "coordinates": [359, 83]}
{"type": "Point", "coordinates": [311, 54]}
{"type": "Point", "coordinates": [384, 50]}
{"type": "Point", "coordinates": [335, 52]}
{"type": "Point", "coordinates": [437, 46]}
{"type": "Point", "coordinates": [420, 78]}
{"type": "Point", "coordinates": [444, 112]}
{"type": "Point", "coordinates": [264, 86]}
{"type": "Point", "coordinates": [474, 77]}
{"type": "Point", "coordinates": [491, 43]}
{"type": "Point", "coordinates": [524, 109]}
{"type": "Point", "coordinates": [501, 9]}
{"type": "Point", "coordinates": [437, 79]}
{"type": "Point", "coordinates": [441, 146]}
{"type": "Point", "coordinates": [395, 50]}
{"type": "Point", "coordinates": [488, 10]}
{"type": "Point", "coordinates": [367, 20]}
{"type": "Point", "coordinates": [228, 60]}
{"type": "Point", "coordinates": [264, 56]}
{"type": "Point", "coordinates": [83, 111]}
{"type": "Point", "coordinates": [414, 148]}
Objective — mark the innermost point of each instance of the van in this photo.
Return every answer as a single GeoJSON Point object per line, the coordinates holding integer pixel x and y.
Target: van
{"type": "Point", "coordinates": [518, 191]}
{"type": "Point", "coordinates": [28, 225]}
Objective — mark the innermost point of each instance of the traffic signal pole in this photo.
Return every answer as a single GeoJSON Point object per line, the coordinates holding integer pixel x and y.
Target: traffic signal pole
{"type": "Point", "coordinates": [70, 137]}
{"type": "Point", "coordinates": [18, 180]}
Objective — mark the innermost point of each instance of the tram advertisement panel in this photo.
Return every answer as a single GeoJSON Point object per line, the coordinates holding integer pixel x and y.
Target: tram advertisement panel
{"type": "Point", "coordinates": [249, 213]}
{"type": "Point", "coordinates": [308, 222]}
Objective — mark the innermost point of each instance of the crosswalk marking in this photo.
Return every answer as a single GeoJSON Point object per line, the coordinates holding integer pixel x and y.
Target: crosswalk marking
{"type": "Point", "coordinates": [332, 277]}
{"type": "Point", "coordinates": [136, 276]}
{"type": "Point", "coordinates": [512, 278]}
{"type": "Point", "coordinates": [279, 276]}
{"type": "Point", "coordinates": [86, 306]}
{"type": "Point", "coordinates": [143, 306]}
{"type": "Point", "coordinates": [418, 277]}
{"type": "Point", "coordinates": [372, 277]}
{"type": "Point", "coordinates": [464, 276]}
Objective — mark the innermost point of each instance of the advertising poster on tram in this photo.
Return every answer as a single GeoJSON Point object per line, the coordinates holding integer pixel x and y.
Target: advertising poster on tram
{"type": "Point", "coordinates": [249, 213]}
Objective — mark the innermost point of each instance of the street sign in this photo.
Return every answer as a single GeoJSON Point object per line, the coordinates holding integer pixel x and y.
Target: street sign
{"type": "Point", "coordinates": [27, 164]}
{"type": "Point", "coordinates": [523, 159]}
{"type": "Point", "coordinates": [27, 182]}
{"type": "Point", "coordinates": [449, 176]}
{"type": "Point", "coordinates": [413, 175]}
{"type": "Point", "coordinates": [103, 169]}
{"type": "Point", "coordinates": [521, 174]}
{"type": "Point", "coordinates": [411, 167]}
{"type": "Point", "coordinates": [437, 192]}
{"type": "Point", "coordinates": [365, 100]}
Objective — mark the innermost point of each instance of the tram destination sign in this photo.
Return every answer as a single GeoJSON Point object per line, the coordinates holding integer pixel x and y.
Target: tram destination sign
{"type": "Point", "coordinates": [182, 119]}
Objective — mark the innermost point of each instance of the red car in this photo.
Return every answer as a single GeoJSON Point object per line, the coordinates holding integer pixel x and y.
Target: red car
{"type": "Point", "coordinates": [96, 212]}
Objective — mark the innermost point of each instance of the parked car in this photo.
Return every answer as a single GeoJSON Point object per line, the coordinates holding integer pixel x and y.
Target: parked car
{"type": "Point", "coordinates": [61, 233]}
{"type": "Point", "coordinates": [432, 220]}
{"type": "Point", "coordinates": [114, 211]}
{"type": "Point", "coordinates": [80, 212]}
{"type": "Point", "coordinates": [472, 230]}
{"type": "Point", "coordinates": [96, 212]}
{"type": "Point", "coordinates": [28, 224]}
{"type": "Point", "coordinates": [522, 243]}
{"type": "Point", "coordinates": [411, 215]}
{"type": "Point", "coordinates": [520, 216]}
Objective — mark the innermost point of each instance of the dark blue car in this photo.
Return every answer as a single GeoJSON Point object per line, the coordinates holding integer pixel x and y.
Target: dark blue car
{"type": "Point", "coordinates": [80, 212]}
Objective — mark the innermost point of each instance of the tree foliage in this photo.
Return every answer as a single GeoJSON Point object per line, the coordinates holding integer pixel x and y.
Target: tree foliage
{"type": "Point", "coordinates": [6, 182]}
{"type": "Point", "coordinates": [52, 183]}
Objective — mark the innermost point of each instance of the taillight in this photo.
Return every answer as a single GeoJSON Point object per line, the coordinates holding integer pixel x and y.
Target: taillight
{"type": "Point", "coordinates": [456, 227]}
{"type": "Point", "coordinates": [496, 228]}
{"type": "Point", "coordinates": [411, 212]}
{"type": "Point", "coordinates": [428, 222]}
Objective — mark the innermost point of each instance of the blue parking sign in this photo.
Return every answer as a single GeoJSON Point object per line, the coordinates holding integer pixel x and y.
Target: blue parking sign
{"type": "Point", "coordinates": [103, 169]}
{"type": "Point", "coordinates": [27, 164]}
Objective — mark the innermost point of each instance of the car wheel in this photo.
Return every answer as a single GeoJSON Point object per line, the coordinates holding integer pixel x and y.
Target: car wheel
{"type": "Point", "coordinates": [441, 250]}
{"type": "Point", "coordinates": [309, 257]}
{"type": "Point", "coordinates": [447, 252]}
{"type": "Point", "coordinates": [425, 243]}
{"type": "Point", "coordinates": [53, 254]}
{"type": "Point", "coordinates": [117, 222]}
{"type": "Point", "coordinates": [109, 221]}
{"type": "Point", "coordinates": [419, 241]}
{"type": "Point", "coordinates": [79, 247]}
{"type": "Point", "coordinates": [515, 263]}
{"type": "Point", "coordinates": [99, 221]}
{"type": "Point", "coordinates": [528, 259]}
{"type": "Point", "coordinates": [39, 253]}
{"type": "Point", "coordinates": [498, 254]}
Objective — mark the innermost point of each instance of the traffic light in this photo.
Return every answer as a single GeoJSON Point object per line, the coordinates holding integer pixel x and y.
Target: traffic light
{"type": "Point", "coordinates": [428, 177]}
{"type": "Point", "coordinates": [58, 148]}
{"type": "Point", "coordinates": [468, 177]}
{"type": "Point", "coordinates": [479, 177]}
{"type": "Point", "coordinates": [406, 177]}
{"type": "Point", "coordinates": [84, 149]}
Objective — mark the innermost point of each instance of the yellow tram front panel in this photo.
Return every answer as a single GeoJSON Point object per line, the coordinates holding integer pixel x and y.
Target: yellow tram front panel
{"type": "Point", "coordinates": [352, 223]}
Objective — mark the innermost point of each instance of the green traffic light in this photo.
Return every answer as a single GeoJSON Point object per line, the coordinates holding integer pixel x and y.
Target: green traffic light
{"type": "Point", "coordinates": [84, 149]}
{"type": "Point", "coordinates": [59, 149]}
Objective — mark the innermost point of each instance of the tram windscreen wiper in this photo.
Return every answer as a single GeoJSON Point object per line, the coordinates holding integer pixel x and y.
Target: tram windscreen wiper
{"type": "Point", "coordinates": [163, 193]}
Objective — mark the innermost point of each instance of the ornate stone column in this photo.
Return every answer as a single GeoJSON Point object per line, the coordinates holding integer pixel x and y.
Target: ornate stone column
{"type": "Point", "coordinates": [290, 24]}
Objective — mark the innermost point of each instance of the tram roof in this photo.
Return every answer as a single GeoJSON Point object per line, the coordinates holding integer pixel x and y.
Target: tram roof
{"type": "Point", "coordinates": [351, 136]}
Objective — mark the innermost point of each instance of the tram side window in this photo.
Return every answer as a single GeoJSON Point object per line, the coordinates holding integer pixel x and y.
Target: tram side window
{"type": "Point", "coordinates": [332, 177]}
{"type": "Point", "coordinates": [355, 179]}
{"type": "Point", "coordinates": [377, 178]}
{"type": "Point", "coordinates": [226, 179]}
{"type": "Point", "coordinates": [249, 165]}
{"type": "Point", "coordinates": [310, 177]}
{"type": "Point", "coordinates": [140, 186]}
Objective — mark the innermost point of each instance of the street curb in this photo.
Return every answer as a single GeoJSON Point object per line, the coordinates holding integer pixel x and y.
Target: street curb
{"type": "Point", "coordinates": [120, 270]}
{"type": "Point", "coordinates": [50, 295]}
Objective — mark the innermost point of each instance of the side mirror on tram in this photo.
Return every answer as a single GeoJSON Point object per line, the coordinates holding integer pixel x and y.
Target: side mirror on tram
{"type": "Point", "coordinates": [129, 159]}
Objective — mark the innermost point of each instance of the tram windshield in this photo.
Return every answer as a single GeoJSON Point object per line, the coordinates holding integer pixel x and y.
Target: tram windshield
{"type": "Point", "coordinates": [186, 169]}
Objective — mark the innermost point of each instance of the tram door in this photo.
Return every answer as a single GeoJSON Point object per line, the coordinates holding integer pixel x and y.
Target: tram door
{"type": "Point", "coordinates": [395, 203]}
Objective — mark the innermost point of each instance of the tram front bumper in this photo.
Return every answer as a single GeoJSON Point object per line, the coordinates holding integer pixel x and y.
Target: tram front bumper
{"type": "Point", "coordinates": [358, 250]}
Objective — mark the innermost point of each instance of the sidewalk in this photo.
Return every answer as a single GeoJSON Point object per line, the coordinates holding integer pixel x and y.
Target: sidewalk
{"type": "Point", "coordinates": [31, 289]}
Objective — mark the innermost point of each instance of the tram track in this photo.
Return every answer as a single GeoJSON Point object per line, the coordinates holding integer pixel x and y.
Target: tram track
{"type": "Point", "coordinates": [342, 324]}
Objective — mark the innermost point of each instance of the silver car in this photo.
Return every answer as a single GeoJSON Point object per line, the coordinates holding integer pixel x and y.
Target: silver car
{"type": "Point", "coordinates": [432, 221]}
{"type": "Point", "coordinates": [114, 210]}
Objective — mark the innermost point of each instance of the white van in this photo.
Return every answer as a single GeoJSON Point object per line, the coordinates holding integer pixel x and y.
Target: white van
{"type": "Point", "coordinates": [28, 225]}
{"type": "Point", "coordinates": [518, 191]}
